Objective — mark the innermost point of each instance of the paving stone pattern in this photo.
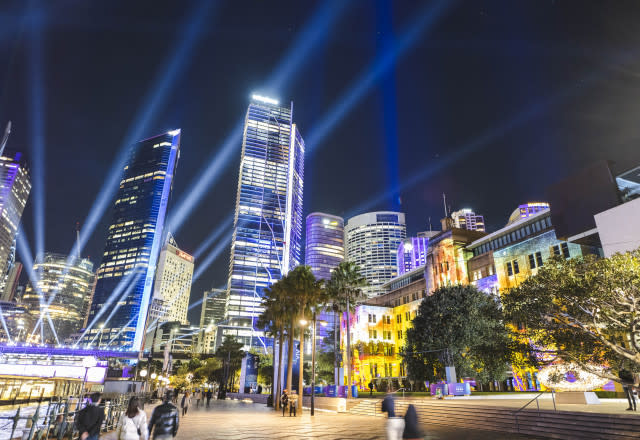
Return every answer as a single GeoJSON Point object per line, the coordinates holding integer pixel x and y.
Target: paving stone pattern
{"type": "Point", "coordinates": [237, 420]}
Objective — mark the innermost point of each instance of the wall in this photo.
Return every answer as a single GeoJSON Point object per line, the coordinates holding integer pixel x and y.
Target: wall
{"type": "Point", "coordinates": [618, 228]}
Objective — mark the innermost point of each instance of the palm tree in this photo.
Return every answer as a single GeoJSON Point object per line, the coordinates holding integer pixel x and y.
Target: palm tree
{"type": "Point", "coordinates": [345, 290]}
{"type": "Point", "coordinates": [271, 321]}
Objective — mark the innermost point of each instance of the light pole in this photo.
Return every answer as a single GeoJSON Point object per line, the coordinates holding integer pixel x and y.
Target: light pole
{"type": "Point", "coordinates": [143, 375]}
{"type": "Point", "coordinates": [303, 323]}
{"type": "Point", "coordinates": [87, 362]}
{"type": "Point", "coordinates": [313, 362]}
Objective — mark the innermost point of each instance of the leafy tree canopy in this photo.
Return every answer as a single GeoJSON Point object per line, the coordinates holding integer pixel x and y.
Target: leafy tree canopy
{"type": "Point", "coordinates": [460, 326]}
{"type": "Point", "coordinates": [583, 310]}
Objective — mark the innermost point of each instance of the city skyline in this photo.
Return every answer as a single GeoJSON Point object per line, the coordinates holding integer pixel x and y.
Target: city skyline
{"type": "Point", "coordinates": [585, 77]}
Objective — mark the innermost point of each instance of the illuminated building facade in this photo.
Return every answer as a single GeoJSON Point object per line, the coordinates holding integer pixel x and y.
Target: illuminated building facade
{"type": "Point", "coordinates": [214, 305]}
{"type": "Point", "coordinates": [412, 253]}
{"type": "Point", "coordinates": [172, 287]}
{"type": "Point", "coordinates": [67, 287]}
{"type": "Point", "coordinates": [18, 322]}
{"type": "Point", "coordinates": [527, 210]}
{"type": "Point", "coordinates": [324, 243]}
{"type": "Point", "coordinates": [267, 229]}
{"type": "Point", "coordinates": [134, 240]}
{"type": "Point", "coordinates": [15, 185]}
{"type": "Point", "coordinates": [467, 219]}
{"type": "Point", "coordinates": [372, 241]}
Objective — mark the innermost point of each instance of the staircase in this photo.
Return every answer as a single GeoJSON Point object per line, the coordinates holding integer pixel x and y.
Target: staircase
{"type": "Point", "coordinates": [570, 425]}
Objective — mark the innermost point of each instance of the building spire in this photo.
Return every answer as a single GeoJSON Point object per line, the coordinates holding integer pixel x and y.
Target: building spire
{"type": "Point", "coordinates": [5, 138]}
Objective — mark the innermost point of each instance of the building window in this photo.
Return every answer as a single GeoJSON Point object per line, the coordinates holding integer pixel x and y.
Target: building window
{"type": "Point", "coordinates": [370, 334]}
{"type": "Point", "coordinates": [375, 334]}
{"type": "Point", "coordinates": [399, 334]}
{"type": "Point", "coordinates": [516, 269]}
{"type": "Point", "coordinates": [398, 319]}
{"type": "Point", "coordinates": [565, 250]}
{"type": "Point", "coordinates": [539, 258]}
{"type": "Point", "coordinates": [532, 261]}
{"type": "Point", "coordinates": [509, 269]}
{"type": "Point", "coordinates": [556, 250]}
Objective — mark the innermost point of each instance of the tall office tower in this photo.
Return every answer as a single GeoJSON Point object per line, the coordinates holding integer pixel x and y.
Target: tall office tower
{"type": "Point", "coordinates": [325, 243]}
{"type": "Point", "coordinates": [372, 241]}
{"type": "Point", "coordinates": [172, 287]}
{"type": "Point", "coordinates": [412, 253]}
{"type": "Point", "coordinates": [15, 185]}
{"type": "Point", "coordinates": [11, 285]}
{"type": "Point", "coordinates": [64, 289]}
{"type": "Point", "coordinates": [125, 276]}
{"type": "Point", "coordinates": [267, 227]}
{"type": "Point", "coordinates": [214, 305]}
{"type": "Point", "coordinates": [467, 219]}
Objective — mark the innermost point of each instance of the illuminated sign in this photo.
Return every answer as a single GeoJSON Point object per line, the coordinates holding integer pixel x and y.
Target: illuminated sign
{"type": "Point", "coordinates": [264, 99]}
{"type": "Point", "coordinates": [94, 374]}
{"type": "Point", "coordinates": [184, 255]}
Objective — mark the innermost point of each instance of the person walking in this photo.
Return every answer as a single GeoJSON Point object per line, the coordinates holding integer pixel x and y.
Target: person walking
{"type": "Point", "coordinates": [133, 425]}
{"type": "Point", "coordinates": [198, 398]}
{"type": "Point", "coordinates": [395, 425]}
{"type": "Point", "coordinates": [209, 396]}
{"type": "Point", "coordinates": [165, 420]}
{"type": "Point", "coordinates": [371, 389]}
{"type": "Point", "coordinates": [90, 418]}
{"type": "Point", "coordinates": [627, 385]}
{"type": "Point", "coordinates": [186, 402]}
{"type": "Point", "coordinates": [412, 429]}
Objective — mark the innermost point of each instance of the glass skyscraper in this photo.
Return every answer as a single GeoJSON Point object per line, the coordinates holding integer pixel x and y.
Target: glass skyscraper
{"type": "Point", "coordinates": [125, 276]}
{"type": "Point", "coordinates": [267, 227]}
{"type": "Point", "coordinates": [372, 241]}
{"type": "Point", "coordinates": [67, 286]}
{"type": "Point", "coordinates": [324, 243]}
{"type": "Point", "coordinates": [15, 185]}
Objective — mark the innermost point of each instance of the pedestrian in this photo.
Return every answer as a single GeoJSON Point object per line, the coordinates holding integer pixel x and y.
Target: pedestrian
{"type": "Point", "coordinates": [371, 389]}
{"type": "Point", "coordinates": [284, 401]}
{"type": "Point", "coordinates": [412, 430]}
{"type": "Point", "coordinates": [627, 385]}
{"type": "Point", "coordinates": [89, 419]}
{"type": "Point", "coordinates": [165, 419]}
{"type": "Point", "coordinates": [395, 425]}
{"type": "Point", "coordinates": [198, 397]}
{"type": "Point", "coordinates": [133, 424]}
{"type": "Point", "coordinates": [259, 391]}
{"type": "Point", "coordinates": [186, 402]}
{"type": "Point", "coordinates": [209, 396]}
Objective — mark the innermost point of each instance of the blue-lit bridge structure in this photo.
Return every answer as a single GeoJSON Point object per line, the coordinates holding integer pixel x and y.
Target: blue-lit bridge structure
{"type": "Point", "coordinates": [38, 350]}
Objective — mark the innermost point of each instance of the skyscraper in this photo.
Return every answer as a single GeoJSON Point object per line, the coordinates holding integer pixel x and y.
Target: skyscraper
{"type": "Point", "coordinates": [324, 243]}
{"type": "Point", "coordinates": [372, 241]}
{"type": "Point", "coordinates": [467, 219]}
{"type": "Point", "coordinates": [172, 287]}
{"type": "Point", "coordinates": [66, 285]}
{"type": "Point", "coordinates": [214, 305]}
{"type": "Point", "coordinates": [15, 185]}
{"type": "Point", "coordinates": [412, 253]}
{"type": "Point", "coordinates": [267, 227]}
{"type": "Point", "coordinates": [125, 276]}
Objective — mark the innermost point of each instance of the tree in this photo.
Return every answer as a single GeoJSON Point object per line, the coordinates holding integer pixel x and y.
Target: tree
{"type": "Point", "coordinates": [230, 353]}
{"type": "Point", "coordinates": [459, 326]}
{"type": "Point", "coordinates": [583, 310]}
{"type": "Point", "coordinates": [344, 289]}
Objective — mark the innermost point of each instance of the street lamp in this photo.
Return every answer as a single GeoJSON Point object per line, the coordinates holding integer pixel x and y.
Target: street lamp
{"type": "Point", "coordinates": [143, 375]}
{"type": "Point", "coordinates": [303, 323]}
{"type": "Point", "coordinates": [87, 362]}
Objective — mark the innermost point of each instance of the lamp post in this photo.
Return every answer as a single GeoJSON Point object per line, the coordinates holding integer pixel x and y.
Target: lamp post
{"type": "Point", "coordinates": [143, 375]}
{"type": "Point", "coordinates": [87, 362]}
{"type": "Point", "coordinates": [313, 362]}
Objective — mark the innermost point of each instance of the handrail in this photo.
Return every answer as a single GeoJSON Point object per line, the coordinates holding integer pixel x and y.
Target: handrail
{"type": "Point", "coordinates": [515, 413]}
{"type": "Point", "coordinates": [403, 390]}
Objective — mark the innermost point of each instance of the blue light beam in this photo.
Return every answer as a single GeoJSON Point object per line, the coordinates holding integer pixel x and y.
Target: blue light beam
{"type": "Point", "coordinates": [222, 227]}
{"type": "Point", "coordinates": [314, 31]}
{"type": "Point", "coordinates": [359, 88]}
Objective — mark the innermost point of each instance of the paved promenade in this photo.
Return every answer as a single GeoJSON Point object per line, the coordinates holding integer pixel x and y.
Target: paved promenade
{"type": "Point", "coordinates": [236, 420]}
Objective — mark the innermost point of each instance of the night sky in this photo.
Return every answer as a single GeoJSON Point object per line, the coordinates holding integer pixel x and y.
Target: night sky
{"type": "Point", "coordinates": [488, 102]}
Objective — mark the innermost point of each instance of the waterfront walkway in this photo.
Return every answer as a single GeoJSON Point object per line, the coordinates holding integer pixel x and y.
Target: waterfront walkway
{"type": "Point", "coordinates": [237, 420]}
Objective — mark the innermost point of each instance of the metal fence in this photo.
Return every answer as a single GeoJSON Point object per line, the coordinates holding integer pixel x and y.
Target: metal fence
{"type": "Point", "coordinates": [55, 419]}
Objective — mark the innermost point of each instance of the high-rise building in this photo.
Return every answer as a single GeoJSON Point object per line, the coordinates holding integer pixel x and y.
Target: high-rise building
{"type": "Point", "coordinates": [63, 291]}
{"type": "Point", "coordinates": [267, 227]}
{"type": "Point", "coordinates": [372, 241]}
{"type": "Point", "coordinates": [11, 285]}
{"type": "Point", "coordinates": [325, 243]}
{"type": "Point", "coordinates": [15, 185]}
{"type": "Point", "coordinates": [125, 276]}
{"type": "Point", "coordinates": [172, 287]}
{"type": "Point", "coordinates": [214, 305]}
{"type": "Point", "coordinates": [412, 253]}
{"type": "Point", "coordinates": [467, 219]}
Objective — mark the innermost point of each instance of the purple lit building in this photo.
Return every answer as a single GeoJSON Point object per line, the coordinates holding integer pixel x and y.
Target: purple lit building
{"type": "Point", "coordinates": [324, 243]}
{"type": "Point", "coordinates": [412, 253]}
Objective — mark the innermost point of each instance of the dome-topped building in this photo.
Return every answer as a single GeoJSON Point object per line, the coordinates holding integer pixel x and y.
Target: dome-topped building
{"type": "Point", "coordinates": [526, 210]}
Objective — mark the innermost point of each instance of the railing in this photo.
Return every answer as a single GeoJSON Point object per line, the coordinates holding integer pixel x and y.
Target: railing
{"type": "Point", "coordinates": [515, 413]}
{"type": "Point", "coordinates": [56, 419]}
{"type": "Point", "coordinates": [400, 389]}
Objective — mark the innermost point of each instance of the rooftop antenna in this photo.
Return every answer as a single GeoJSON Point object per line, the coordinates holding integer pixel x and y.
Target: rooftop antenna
{"type": "Point", "coordinates": [444, 199]}
{"type": "Point", "coordinates": [5, 138]}
{"type": "Point", "coordinates": [429, 224]}
{"type": "Point", "coordinates": [78, 238]}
